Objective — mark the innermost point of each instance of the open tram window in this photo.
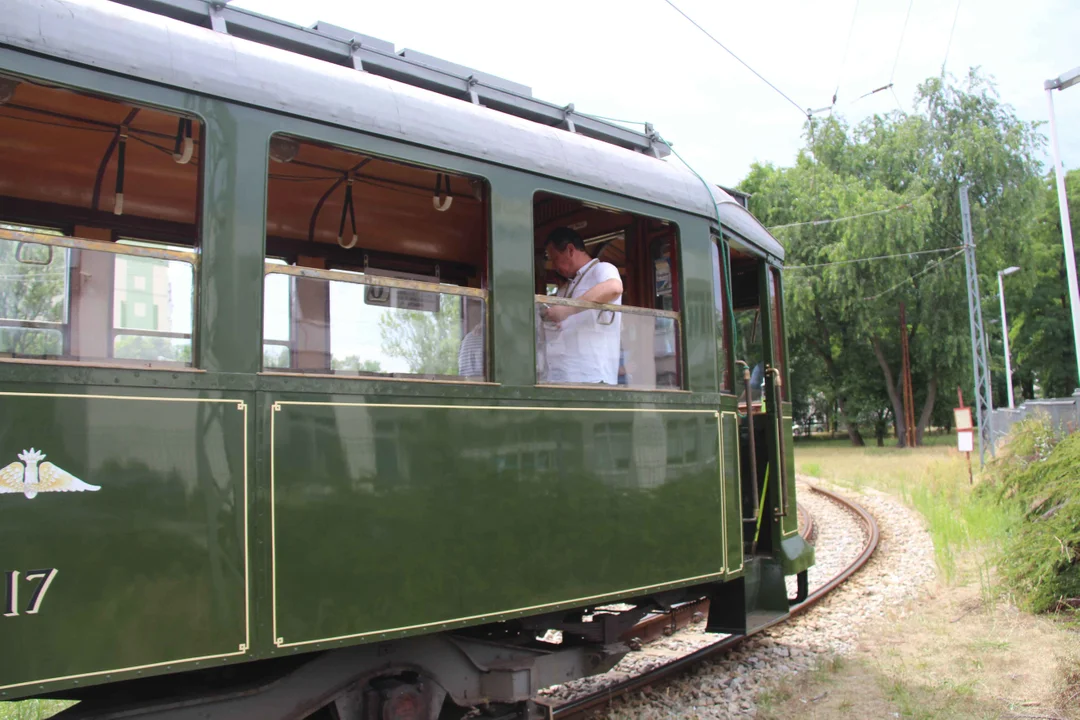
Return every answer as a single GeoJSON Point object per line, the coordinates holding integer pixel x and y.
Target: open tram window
{"type": "Point", "coordinates": [79, 173]}
{"type": "Point", "coordinates": [631, 340]}
{"type": "Point", "coordinates": [374, 268]}
{"type": "Point", "coordinates": [722, 314]}
{"type": "Point", "coordinates": [775, 301]}
{"type": "Point", "coordinates": [751, 321]}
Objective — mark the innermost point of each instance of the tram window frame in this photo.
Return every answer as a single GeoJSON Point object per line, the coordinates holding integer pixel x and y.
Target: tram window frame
{"type": "Point", "coordinates": [721, 303]}
{"type": "Point", "coordinates": [378, 264]}
{"type": "Point", "coordinates": [779, 356]}
{"type": "Point", "coordinates": [640, 279]}
{"type": "Point", "coordinates": [96, 151]}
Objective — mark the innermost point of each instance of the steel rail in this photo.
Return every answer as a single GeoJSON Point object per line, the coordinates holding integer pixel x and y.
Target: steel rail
{"type": "Point", "coordinates": [577, 708]}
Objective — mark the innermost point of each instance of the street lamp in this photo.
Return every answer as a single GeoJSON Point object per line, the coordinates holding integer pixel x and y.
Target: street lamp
{"type": "Point", "coordinates": [1005, 328]}
{"type": "Point", "coordinates": [1063, 82]}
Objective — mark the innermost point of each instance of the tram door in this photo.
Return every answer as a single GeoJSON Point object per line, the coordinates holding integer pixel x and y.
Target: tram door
{"type": "Point", "coordinates": [767, 470]}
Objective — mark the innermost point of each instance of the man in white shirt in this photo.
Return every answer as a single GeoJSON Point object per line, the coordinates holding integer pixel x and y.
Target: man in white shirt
{"type": "Point", "coordinates": [581, 346]}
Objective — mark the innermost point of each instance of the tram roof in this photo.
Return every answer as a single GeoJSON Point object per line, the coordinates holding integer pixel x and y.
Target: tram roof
{"type": "Point", "coordinates": [175, 52]}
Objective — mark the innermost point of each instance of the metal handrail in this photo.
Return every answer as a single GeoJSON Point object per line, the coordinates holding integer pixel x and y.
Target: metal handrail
{"type": "Point", "coordinates": [375, 280]}
{"type": "Point", "coordinates": [78, 243]}
{"type": "Point", "coordinates": [625, 309]}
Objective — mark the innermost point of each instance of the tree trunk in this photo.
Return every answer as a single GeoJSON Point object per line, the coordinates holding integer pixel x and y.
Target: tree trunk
{"type": "Point", "coordinates": [890, 386]}
{"type": "Point", "coordinates": [852, 429]}
{"type": "Point", "coordinates": [927, 409]}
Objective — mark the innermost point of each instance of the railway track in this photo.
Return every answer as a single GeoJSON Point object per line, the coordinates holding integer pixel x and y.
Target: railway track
{"type": "Point", "coordinates": [647, 630]}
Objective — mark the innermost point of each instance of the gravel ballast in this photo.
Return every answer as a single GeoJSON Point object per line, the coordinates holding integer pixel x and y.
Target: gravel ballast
{"type": "Point", "coordinates": [729, 685]}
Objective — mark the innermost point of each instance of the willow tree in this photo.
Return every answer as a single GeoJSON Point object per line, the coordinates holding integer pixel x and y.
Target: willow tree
{"type": "Point", "coordinates": [895, 180]}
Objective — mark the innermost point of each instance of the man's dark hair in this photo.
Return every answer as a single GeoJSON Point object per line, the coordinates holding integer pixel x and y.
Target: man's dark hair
{"type": "Point", "coordinates": [559, 238]}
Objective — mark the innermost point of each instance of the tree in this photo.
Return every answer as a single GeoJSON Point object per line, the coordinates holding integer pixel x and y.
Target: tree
{"type": "Point", "coordinates": [427, 341]}
{"type": "Point", "coordinates": [1040, 320]}
{"type": "Point", "coordinates": [32, 289]}
{"type": "Point", "coordinates": [275, 356]}
{"type": "Point", "coordinates": [353, 363]}
{"type": "Point", "coordinates": [896, 179]}
{"type": "Point", "coordinates": [151, 349]}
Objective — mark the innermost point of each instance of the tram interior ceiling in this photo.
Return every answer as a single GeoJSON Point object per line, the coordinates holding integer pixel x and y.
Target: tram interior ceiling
{"type": "Point", "coordinates": [99, 207]}
{"type": "Point", "coordinates": [644, 251]}
{"type": "Point", "coordinates": [374, 266]}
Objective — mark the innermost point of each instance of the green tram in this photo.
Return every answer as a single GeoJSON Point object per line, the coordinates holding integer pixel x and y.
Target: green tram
{"type": "Point", "coordinates": [277, 437]}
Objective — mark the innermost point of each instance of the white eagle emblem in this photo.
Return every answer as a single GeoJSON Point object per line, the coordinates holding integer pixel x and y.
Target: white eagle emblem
{"type": "Point", "coordinates": [31, 479]}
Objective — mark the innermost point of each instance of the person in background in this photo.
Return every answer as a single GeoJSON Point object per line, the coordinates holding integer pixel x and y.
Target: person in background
{"type": "Point", "coordinates": [582, 345]}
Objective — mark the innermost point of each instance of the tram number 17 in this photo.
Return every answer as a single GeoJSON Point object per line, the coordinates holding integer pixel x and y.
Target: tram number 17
{"type": "Point", "coordinates": [12, 581]}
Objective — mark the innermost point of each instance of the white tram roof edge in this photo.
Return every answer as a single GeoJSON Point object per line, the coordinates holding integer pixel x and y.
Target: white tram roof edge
{"type": "Point", "coordinates": [140, 44]}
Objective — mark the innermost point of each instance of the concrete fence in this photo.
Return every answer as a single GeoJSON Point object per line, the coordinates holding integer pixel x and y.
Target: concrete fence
{"type": "Point", "coordinates": [1064, 413]}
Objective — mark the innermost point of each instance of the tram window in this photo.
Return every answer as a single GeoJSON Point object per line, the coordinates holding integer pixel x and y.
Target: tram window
{"type": "Point", "coordinates": [379, 267]}
{"type": "Point", "coordinates": [775, 300]}
{"type": "Point", "coordinates": [720, 307]}
{"type": "Point", "coordinates": [748, 324]}
{"type": "Point", "coordinates": [635, 343]}
{"type": "Point", "coordinates": [77, 174]}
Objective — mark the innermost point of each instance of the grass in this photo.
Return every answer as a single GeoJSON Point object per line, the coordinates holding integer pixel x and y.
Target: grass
{"type": "Point", "coordinates": [32, 709]}
{"type": "Point", "coordinates": [933, 480]}
{"type": "Point", "coordinates": [959, 653]}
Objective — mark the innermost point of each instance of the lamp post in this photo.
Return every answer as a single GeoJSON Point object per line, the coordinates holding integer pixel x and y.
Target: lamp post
{"type": "Point", "coordinates": [1062, 82]}
{"type": "Point", "coordinates": [1005, 329]}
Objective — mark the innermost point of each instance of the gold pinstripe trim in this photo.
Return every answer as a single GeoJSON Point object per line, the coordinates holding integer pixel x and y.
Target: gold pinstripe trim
{"type": "Point", "coordinates": [738, 467]}
{"type": "Point", "coordinates": [243, 647]}
{"type": "Point", "coordinates": [784, 534]}
{"type": "Point", "coordinates": [723, 493]}
{"type": "Point", "coordinates": [280, 641]}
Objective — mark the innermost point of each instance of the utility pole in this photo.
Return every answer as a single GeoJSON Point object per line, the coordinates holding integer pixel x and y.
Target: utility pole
{"type": "Point", "coordinates": [1063, 82]}
{"type": "Point", "coordinates": [983, 401]}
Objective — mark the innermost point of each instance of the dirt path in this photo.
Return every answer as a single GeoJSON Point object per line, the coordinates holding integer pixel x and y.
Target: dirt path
{"type": "Point", "coordinates": [953, 653]}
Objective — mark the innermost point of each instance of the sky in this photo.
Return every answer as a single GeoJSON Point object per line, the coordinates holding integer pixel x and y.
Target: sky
{"type": "Point", "coordinates": [640, 60]}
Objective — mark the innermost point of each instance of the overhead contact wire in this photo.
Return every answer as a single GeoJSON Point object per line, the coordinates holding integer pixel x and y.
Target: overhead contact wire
{"type": "Point", "coordinates": [872, 259]}
{"type": "Point", "coordinates": [829, 221]}
{"type": "Point", "coordinates": [802, 111]}
{"type": "Point", "coordinates": [843, 61]}
{"type": "Point", "coordinates": [929, 268]}
{"type": "Point", "coordinates": [948, 45]}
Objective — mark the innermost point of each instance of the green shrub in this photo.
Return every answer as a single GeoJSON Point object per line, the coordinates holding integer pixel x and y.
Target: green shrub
{"type": "Point", "coordinates": [1039, 474]}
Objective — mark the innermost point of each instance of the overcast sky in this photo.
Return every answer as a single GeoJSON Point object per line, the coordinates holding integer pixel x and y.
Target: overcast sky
{"type": "Point", "coordinates": [640, 60]}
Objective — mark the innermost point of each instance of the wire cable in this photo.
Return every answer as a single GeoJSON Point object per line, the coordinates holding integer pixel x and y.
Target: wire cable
{"type": "Point", "coordinates": [801, 110]}
{"type": "Point", "coordinates": [843, 62]}
{"type": "Point", "coordinates": [871, 259]}
{"type": "Point", "coordinates": [905, 281]}
{"type": "Point", "coordinates": [900, 46]}
{"type": "Point", "coordinates": [948, 45]}
{"type": "Point", "coordinates": [840, 219]}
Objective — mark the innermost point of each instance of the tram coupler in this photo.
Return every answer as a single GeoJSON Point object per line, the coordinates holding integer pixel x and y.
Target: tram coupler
{"type": "Point", "coordinates": [802, 591]}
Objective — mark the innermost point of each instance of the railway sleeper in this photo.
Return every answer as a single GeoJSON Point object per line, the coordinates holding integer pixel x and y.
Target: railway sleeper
{"type": "Point", "coordinates": [426, 678]}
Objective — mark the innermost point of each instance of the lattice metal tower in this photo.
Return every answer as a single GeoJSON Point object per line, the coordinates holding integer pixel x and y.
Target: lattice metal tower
{"type": "Point", "coordinates": [983, 401]}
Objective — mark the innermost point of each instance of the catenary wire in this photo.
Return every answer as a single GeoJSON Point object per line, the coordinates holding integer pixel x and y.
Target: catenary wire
{"type": "Point", "coordinates": [801, 110]}
{"type": "Point", "coordinates": [843, 62]}
{"type": "Point", "coordinates": [900, 46]}
{"type": "Point", "coordinates": [929, 268]}
{"type": "Point", "coordinates": [871, 259]}
{"type": "Point", "coordinates": [948, 45]}
{"type": "Point", "coordinates": [840, 219]}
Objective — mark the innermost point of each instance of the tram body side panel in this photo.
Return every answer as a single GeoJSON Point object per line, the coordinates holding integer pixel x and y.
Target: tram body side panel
{"type": "Point", "coordinates": [131, 554]}
{"type": "Point", "coordinates": [392, 519]}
